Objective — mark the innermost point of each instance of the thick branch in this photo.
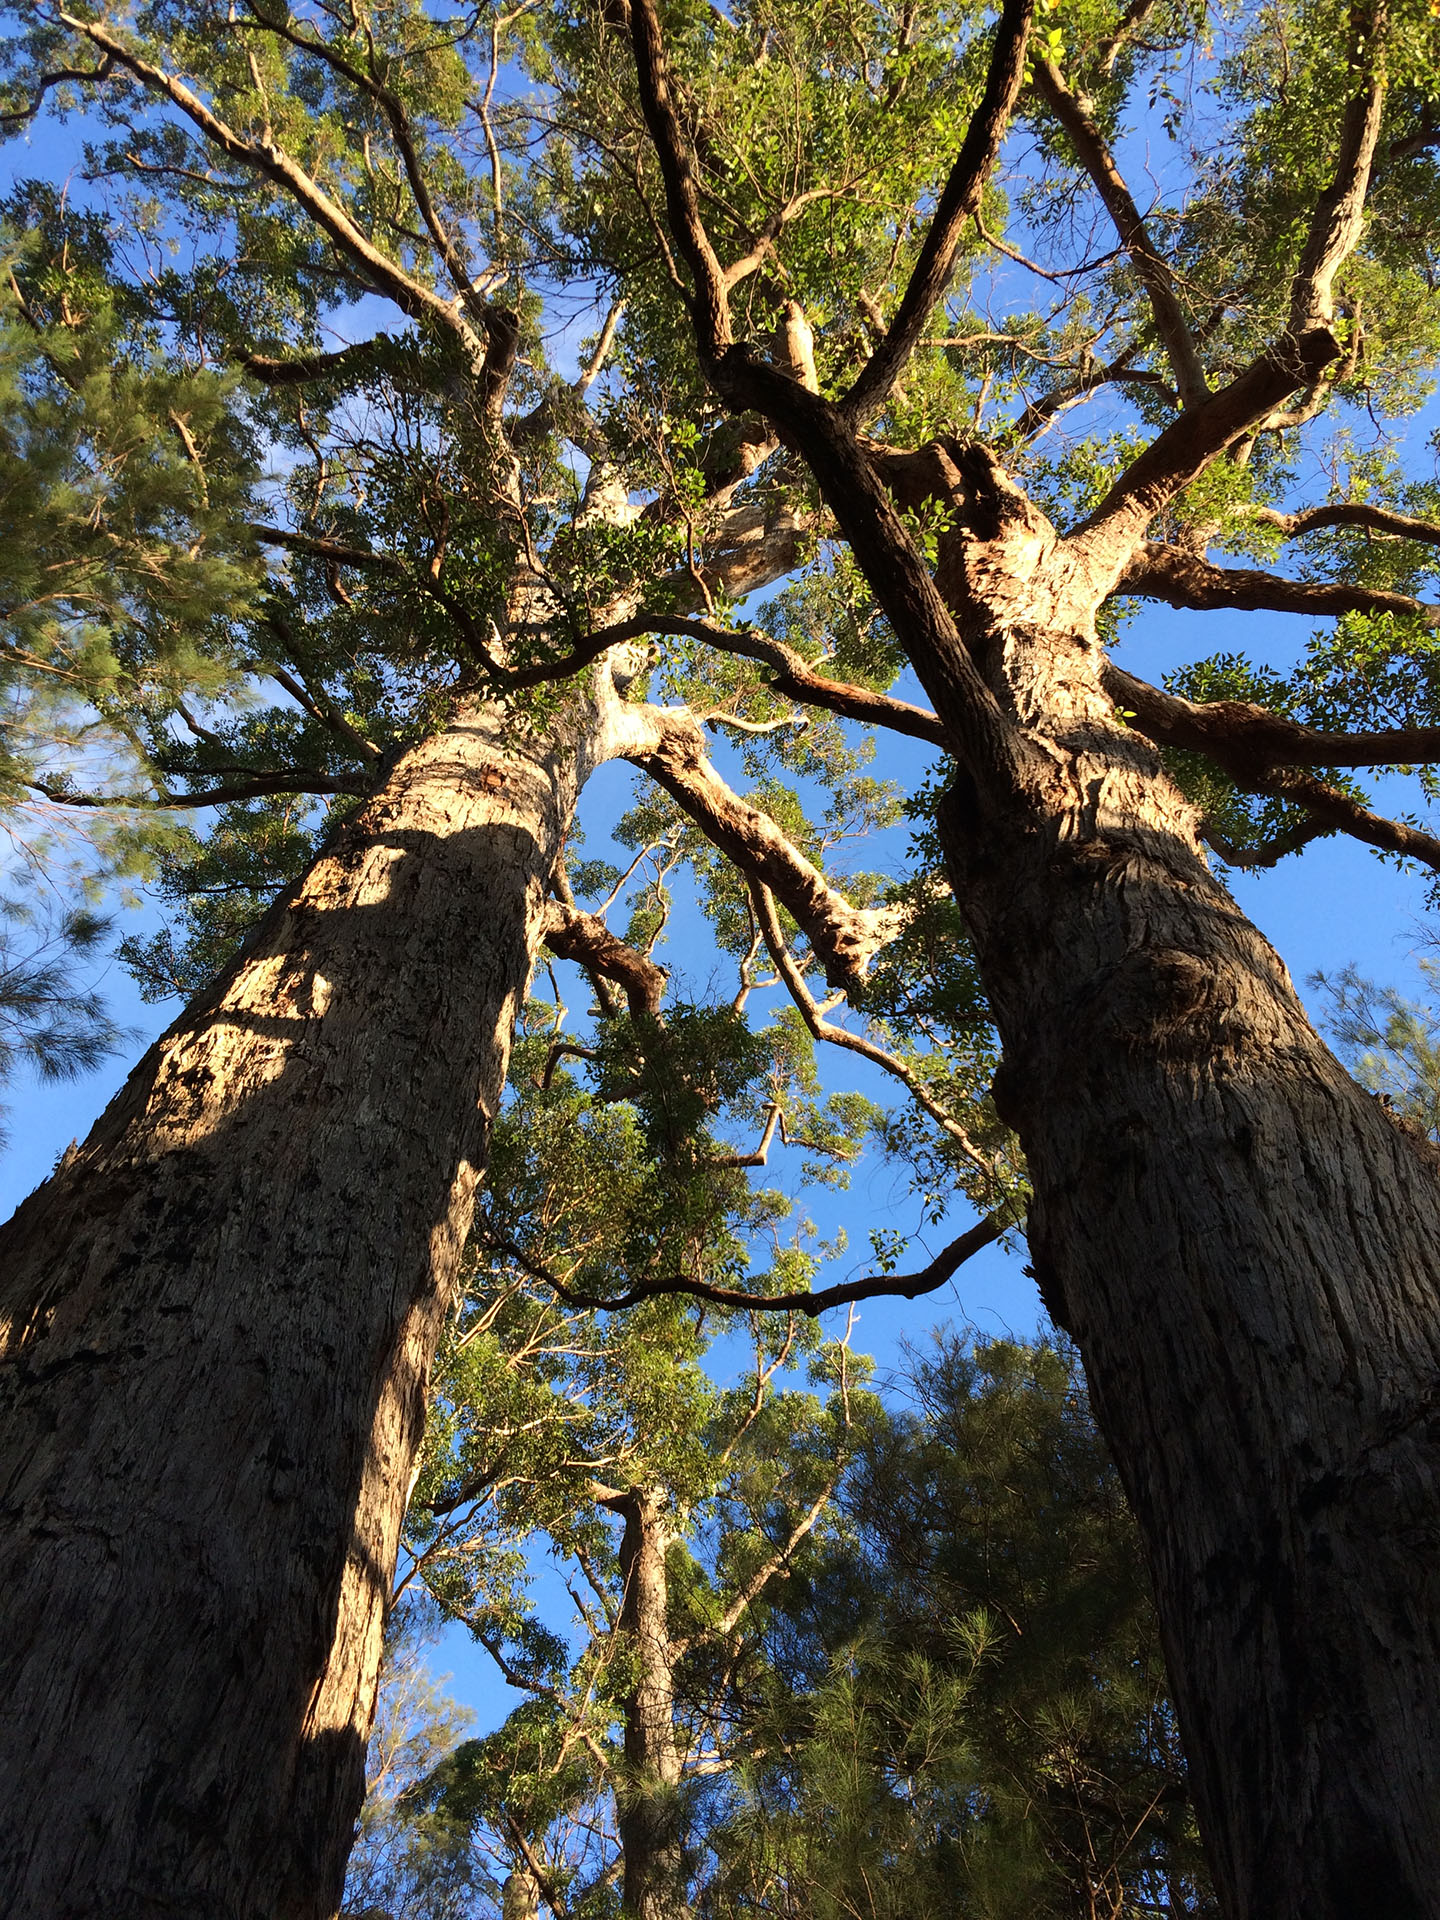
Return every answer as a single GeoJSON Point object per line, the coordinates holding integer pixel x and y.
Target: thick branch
{"type": "Point", "coordinates": [844, 938]}
{"type": "Point", "coordinates": [1339, 215]}
{"type": "Point", "coordinates": [1096, 158]}
{"type": "Point", "coordinates": [295, 371]}
{"type": "Point", "coordinates": [1250, 744]}
{"type": "Point", "coordinates": [958, 204]}
{"type": "Point", "coordinates": [1185, 579]}
{"type": "Point", "coordinates": [1298, 359]}
{"type": "Point", "coordinates": [710, 306]}
{"type": "Point", "coordinates": [585, 938]}
{"type": "Point", "coordinates": [1250, 741]}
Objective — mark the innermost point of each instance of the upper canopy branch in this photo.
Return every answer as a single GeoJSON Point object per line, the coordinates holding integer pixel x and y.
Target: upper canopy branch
{"type": "Point", "coordinates": [1298, 358]}
{"type": "Point", "coordinates": [1339, 215]}
{"type": "Point", "coordinates": [1072, 111]}
{"type": "Point", "coordinates": [709, 304]}
{"type": "Point", "coordinates": [385, 275]}
{"type": "Point", "coordinates": [958, 204]}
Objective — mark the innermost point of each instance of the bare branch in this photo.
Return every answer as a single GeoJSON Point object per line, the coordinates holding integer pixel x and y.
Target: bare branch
{"type": "Point", "coordinates": [907, 1286]}
{"type": "Point", "coordinates": [958, 204]}
{"type": "Point", "coordinates": [822, 1029]}
{"type": "Point", "coordinates": [1263, 853]}
{"type": "Point", "coordinates": [1247, 743]}
{"type": "Point", "coordinates": [844, 938]}
{"type": "Point", "coordinates": [1185, 579]}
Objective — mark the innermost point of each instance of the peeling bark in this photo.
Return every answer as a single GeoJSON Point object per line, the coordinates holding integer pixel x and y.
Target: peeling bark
{"type": "Point", "coordinates": [217, 1321]}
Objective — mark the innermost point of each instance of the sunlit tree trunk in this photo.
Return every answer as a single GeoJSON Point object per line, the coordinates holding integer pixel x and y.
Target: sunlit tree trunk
{"type": "Point", "coordinates": [218, 1317]}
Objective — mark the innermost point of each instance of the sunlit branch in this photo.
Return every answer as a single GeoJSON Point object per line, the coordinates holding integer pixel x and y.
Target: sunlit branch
{"type": "Point", "coordinates": [710, 305]}
{"type": "Point", "coordinates": [1298, 359]}
{"type": "Point", "coordinates": [1349, 513]}
{"type": "Point", "coordinates": [585, 939]}
{"type": "Point", "coordinates": [1339, 216]}
{"type": "Point", "coordinates": [1184, 579]}
{"type": "Point", "coordinates": [843, 937]}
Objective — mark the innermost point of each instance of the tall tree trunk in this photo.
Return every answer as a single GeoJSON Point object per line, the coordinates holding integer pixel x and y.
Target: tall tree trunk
{"type": "Point", "coordinates": [651, 1815]}
{"type": "Point", "coordinates": [1246, 1248]}
{"type": "Point", "coordinates": [216, 1324]}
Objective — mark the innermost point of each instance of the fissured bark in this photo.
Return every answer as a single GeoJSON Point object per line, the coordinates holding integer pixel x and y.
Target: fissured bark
{"type": "Point", "coordinates": [1246, 1248]}
{"type": "Point", "coordinates": [218, 1317]}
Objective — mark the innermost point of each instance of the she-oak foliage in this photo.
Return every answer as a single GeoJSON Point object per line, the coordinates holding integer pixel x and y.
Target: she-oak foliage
{"type": "Point", "coordinates": [873, 312]}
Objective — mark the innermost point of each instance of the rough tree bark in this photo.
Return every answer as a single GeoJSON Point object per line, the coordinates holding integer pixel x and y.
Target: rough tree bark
{"type": "Point", "coordinates": [217, 1320]}
{"type": "Point", "coordinates": [1244, 1246]}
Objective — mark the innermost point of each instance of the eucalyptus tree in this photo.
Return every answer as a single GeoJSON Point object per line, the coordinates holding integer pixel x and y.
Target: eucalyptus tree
{"type": "Point", "coordinates": [784, 197]}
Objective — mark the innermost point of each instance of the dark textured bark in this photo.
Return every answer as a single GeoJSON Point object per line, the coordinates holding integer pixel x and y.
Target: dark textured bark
{"type": "Point", "coordinates": [218, 1317]}
{"type": "Point", "coordinates": [1244, 1245]}
{"type": "Point", "coordinates": [650, 1811]}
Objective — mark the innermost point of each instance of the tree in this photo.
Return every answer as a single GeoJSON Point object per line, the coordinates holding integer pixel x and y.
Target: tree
{"type": "Point", "coordinates": [1240, 1240]}
{"type": "Point", "coordinates": [672, 1505]}
{"type": "Point", "coordinates": [410, 1862]}
{"type": "Point", "coordinates": [968, 1709]}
